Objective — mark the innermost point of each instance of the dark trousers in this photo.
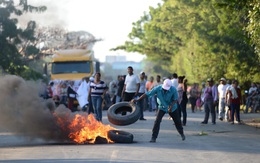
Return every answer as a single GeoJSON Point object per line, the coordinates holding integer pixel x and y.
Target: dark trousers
{"type": "Point", "coordinates": [183, 109]}
{"type": "Point", "coordinates": [140, 104]}
{"type": "Point", "coordinates": [175, 117]}
{"type": "Point", "coordinates": [128, 96]}
{"type": "Point", "coordinates": [235, 108]}
{"type": "Point", "coordinates": [209, 107]}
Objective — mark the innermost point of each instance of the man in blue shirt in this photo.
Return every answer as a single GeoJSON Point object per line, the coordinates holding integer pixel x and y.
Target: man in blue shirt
{"type": "Point", "coordinates": [167, 103]}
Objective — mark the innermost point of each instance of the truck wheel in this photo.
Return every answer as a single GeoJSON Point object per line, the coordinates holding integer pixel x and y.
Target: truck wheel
{"type": "Point", "coordinates": [123, 113]}
{"type": "Point", "coordinates": [120, 136]}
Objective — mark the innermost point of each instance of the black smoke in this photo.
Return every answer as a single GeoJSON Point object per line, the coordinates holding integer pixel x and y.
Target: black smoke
{"type": "Point", "coordinates": [23, 112]}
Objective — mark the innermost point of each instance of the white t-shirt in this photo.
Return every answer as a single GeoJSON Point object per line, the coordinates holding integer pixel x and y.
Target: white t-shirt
{"type": "Point", "coordinates": [252, 89]}
{"type": "Point", "coordinates": [142, 86]}
{"type": "Point", "coordinates": [175, 83]}
{"type": "Point", "coordinates": [131, 83]}
{"type": "Point", "coordinates": [222, 90]}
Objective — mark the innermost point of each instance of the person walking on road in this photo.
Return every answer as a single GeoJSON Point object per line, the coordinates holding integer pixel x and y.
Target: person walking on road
{"type": "Point", "coordinates": [222, 87]}
{"type": "Point", "coordinates": [167, 97]}
{"type": "Point", "coordinates": [97, 92]}
{"type": "Point", "coordinates": [235, 101]}
{"type": "Point", "coordinates": [209, 100]}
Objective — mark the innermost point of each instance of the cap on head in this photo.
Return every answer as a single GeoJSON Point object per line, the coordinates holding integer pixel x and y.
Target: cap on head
{"type": "Point", "coordinates": [210, 80]}
{"type": "Point", "coordinates": [167, 83]}
{"type": "Point", "coordinates": [222, 79]}
{"type": "Point", "coordinates": [142, 73]}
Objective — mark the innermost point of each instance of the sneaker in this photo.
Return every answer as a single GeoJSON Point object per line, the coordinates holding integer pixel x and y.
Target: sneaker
{"type": "Point", "coordinates": [203, 122]}
{"type": "Point", "coordinates": [183, 137]}
{"type": "Point", "coordinates": [142, 119]}
{"type": "Point", "coordinates": [221, 119]}
{"type": "Point", "coordinates": [153, 140]}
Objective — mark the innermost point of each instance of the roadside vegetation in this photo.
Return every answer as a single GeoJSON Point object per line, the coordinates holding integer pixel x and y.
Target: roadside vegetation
{"type": "Point", "coordinates": [198, 39]}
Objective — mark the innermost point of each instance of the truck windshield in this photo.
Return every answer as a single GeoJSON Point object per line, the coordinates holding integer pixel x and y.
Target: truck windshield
{"type": "Point", "coordinates": [71, 67]}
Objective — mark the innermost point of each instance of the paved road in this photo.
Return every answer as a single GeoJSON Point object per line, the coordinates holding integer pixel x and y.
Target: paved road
{"type": "Point", "coordinates": [222, 142]}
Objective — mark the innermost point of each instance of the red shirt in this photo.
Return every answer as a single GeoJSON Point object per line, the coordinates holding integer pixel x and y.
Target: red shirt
{"type": "Point", "coordinates": [236, 100]}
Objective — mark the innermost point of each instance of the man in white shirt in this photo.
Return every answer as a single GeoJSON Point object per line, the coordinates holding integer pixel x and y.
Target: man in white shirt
{"type": "Point", "coordinates": [131, 86]}
{"type": "Point", "coordinates": [222, 87]}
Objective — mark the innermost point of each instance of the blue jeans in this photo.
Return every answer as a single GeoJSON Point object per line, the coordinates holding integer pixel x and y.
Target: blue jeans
{"type": "Point", "coordinates": [140, 104]}
{"type": "Point", "coordinates": [248, 103]}
{"type": "Point", "coordinates": [221, 108]}
{"type": "Point", "coordinates": [118, 99]}
{"type": "Point", "coordinates": [152, 104]}
{"type": "Point", "coordinates": [97, 103]}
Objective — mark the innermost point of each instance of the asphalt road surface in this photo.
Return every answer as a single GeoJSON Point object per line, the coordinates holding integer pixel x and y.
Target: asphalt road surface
{"type": "Point", "coordinates": [218, 143]}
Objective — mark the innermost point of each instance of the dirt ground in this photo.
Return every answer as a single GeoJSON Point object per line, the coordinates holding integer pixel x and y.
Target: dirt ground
{"type": "Point", "coordinates": [251, 119]}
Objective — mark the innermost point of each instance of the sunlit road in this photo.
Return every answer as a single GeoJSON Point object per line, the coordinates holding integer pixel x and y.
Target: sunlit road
{"type": "Point", "coordinates": [222, 142]}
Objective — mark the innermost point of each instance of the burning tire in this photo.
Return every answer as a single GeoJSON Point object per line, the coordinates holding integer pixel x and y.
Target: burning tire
{"type": "Point", "coordinates": [120, 136]}
{"type": "Point", "coordinates": [123, 113]}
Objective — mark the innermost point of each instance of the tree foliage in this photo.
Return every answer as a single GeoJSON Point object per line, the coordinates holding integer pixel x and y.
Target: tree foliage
{"type": "Point", "coordinates": [197, 39]}
{"type": "Point", "coordinates": [250, 9]}
{"type": "Point", "coordinates": [11, 37]}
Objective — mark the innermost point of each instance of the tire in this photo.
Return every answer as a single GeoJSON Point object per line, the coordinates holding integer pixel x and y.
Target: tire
{"type": "Point", "coordinates": [120, 136]}
{"type": "Point", "coordinates": [123, 113]}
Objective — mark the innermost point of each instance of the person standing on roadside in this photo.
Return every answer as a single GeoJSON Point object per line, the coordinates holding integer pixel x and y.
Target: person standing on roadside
{"type": "Point", "coordinates": [120, 87]}
{"type": "Point", "coordinates": [140, 93]}
{"type": "Point", "coordinates": [235, 101]}
{"type": "Point", "coordinates": [182, 98]}
{"type": "Point", "coordinates": [97, 91]}
{"type": "Point", "coordinates": [193, 97]}
{"type": "Point", "coordinates": [222, 87]}
{"type": "Point", "coordinates": [210, 100]}
{"type": "Point", "coordinates": [158, 82]}
{"type": "Point", "coordinates": [167, 97]}
{"type": "Point", "coordinates": [131, 85]}
{"type": "Point", "coordinates": [152, 101]}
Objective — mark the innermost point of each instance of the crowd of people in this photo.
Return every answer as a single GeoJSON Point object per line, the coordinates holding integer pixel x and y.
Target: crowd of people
{"type": "Point", "coordinates": [220, 99]}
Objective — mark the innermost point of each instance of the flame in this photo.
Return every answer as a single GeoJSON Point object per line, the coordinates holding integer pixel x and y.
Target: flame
{"type": "Point", "coordinates": [83, 128]}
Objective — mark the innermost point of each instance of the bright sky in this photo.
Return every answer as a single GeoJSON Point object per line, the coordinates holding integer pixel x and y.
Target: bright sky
{"type": "Point", "coordinates": [110, 20]}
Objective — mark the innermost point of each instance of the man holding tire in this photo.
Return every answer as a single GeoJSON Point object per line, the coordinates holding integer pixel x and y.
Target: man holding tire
{"type": "Point", "coordinates": [167, 103]}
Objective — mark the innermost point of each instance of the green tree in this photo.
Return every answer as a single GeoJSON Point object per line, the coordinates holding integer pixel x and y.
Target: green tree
{"type": "Point", "coordinates": [250, 9]}
{"type": "Point", "coordinates": [11, 37]}
{"type": "Point", "coordinates": [195, 39]}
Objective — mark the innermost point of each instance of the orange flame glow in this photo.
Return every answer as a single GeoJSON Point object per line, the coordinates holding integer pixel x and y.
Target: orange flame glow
{"type": "Point", "coordinates": [84, 128]}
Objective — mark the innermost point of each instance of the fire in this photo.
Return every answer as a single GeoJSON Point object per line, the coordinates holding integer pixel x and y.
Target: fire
{"type": "Point", "coordinates": [84, 128]}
